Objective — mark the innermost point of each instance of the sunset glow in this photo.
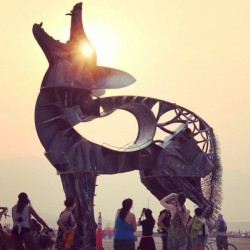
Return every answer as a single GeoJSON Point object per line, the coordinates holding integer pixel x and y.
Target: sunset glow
{"type": "Point", "coordinates": [105, 43]}
{"type": "Point", "coordinates": [87, 49]}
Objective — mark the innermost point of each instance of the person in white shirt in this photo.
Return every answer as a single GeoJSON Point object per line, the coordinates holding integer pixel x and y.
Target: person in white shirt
{"type": "Point", "coordinates": [21, 215]}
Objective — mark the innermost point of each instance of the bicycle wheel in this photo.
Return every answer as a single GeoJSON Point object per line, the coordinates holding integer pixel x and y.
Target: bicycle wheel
{"type": "Point", "coordinates": [231, 247]}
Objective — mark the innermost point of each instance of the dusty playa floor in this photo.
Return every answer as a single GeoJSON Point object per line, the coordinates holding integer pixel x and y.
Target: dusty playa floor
{"type": "Point", "coordinates": [240, 243]}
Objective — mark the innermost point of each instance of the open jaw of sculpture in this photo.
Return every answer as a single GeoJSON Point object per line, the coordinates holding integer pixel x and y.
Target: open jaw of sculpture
{"type": "Point", "coordinates": [185, 159]}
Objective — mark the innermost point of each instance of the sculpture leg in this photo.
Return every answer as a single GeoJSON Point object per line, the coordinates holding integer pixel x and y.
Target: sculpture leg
{"type": "Point", "coordinates": [82, 187]}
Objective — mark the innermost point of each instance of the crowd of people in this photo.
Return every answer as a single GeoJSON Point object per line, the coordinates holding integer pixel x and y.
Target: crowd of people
{"type": "Point", "coordinates": [179, 230]}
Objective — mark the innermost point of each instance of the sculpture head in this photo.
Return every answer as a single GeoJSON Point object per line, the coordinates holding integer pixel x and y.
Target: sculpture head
{"type": "Point", "coordinates": [79, 42]}
{"type": "Point", "coordinates": [69, 67]}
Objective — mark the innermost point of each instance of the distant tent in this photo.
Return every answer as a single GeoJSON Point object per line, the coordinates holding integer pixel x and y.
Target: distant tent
{"type": "Point", "coordinates": [108, 232]}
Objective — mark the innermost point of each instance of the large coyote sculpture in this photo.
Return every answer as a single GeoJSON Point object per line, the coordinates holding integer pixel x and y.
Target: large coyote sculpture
{"type": "Point", "coordinates": [184, 158]}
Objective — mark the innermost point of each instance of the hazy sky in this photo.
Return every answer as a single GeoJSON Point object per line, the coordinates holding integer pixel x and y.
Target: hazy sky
{"type": "Point", "coordinates": [194, 53]}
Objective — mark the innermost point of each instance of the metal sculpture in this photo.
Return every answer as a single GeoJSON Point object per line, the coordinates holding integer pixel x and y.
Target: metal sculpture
{"type": "Point", "coordinates": [185, 158]}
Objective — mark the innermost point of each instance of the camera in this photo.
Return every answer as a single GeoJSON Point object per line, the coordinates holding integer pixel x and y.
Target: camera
{"type": "Point", "coordinates": [144, 210]}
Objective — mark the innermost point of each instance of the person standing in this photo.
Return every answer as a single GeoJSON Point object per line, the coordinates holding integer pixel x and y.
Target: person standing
{"type": "Point", "coordinates": [198, 230]}
{"type": "Point", "coordinates": [147, 241]}
{"type": "Point", "coordinates": [21, 215]}
{"type": "Point", "coordinates": [163, 224]}
{"type": "Point", "coordinates": [221, 233]}
{"type": "Point", "coordinates": [67, 225]}
{"type": "Point", "coordinates": [125, 226]}
{"type": "Point", "coordinates": [177, 233]}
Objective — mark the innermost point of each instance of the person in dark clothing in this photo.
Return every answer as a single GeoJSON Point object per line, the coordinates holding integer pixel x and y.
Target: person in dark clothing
{"type": "Point", "coordinates": [163, 224]}
{"type": "Point", "coordinates": [221, 233]}
{"type": "Point", "coordinates": [147, 240]}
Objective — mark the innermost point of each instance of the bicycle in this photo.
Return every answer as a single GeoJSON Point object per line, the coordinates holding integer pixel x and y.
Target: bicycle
{"type": "Point", "coordinates": [5, 234]}
{"type": "Point", "coordinates": [211, 245]}
{"type": "Point", "coordinates": [43, 237]}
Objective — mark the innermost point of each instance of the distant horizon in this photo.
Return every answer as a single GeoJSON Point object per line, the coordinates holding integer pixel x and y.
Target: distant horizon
{"type": "Point", "coordinates": [235, 226]}
{"type": "Point", "coordinates": [44, 199]}
{"type": "Point", "coordinates": [54, 198]}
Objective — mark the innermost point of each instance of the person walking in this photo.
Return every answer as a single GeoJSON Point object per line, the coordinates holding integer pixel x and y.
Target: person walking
{"type": "Point", "coordinates": [21, 215]}
{"type": "Point", "coordinates": [67, 225]}
{"type": "Point", "coordinates": [221, 233]}
{"type": "Point", "coordinates": [147, 241]}
{"type": "Point", "coordinates": [177, 233]}
{"type": "Point", "coordinates": [125, 226]}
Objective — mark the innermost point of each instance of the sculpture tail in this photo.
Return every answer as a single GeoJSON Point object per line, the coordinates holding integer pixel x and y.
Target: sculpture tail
{"type": "Point", "coordinates": [212, 183]}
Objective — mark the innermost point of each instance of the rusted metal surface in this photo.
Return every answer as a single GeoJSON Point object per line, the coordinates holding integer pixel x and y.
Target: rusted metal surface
{"type": "Point", "coordinates": [174, 162]}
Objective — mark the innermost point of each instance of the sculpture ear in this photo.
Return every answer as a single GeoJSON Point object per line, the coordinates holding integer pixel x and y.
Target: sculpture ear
{"type": "Point", "coordinates": [109, 78]}
{"type": "Point", "coordinates": [98, 92]}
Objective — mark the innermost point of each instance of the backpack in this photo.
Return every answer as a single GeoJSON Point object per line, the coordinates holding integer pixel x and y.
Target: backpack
{"type": "Point", "coordinates": [165, 221]}
{"type": "Point", "coordinates": [196, 227]}
{"type": "Point", "coordinates": [177, 229]}
{"type": "Point", "coordinates": [221, 226]}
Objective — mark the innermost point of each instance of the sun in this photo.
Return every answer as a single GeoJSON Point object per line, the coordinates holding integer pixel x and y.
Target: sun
{"type": "Point", "coordinates": [105, 43]}
{"type": "Point", "coordinates": [87, 50]}
{"type": "Point", "coordinates": [103, 40]}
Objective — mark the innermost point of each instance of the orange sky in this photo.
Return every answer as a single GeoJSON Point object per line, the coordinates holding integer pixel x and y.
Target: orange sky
{"type": "Point", "coordinates": [193, 53]}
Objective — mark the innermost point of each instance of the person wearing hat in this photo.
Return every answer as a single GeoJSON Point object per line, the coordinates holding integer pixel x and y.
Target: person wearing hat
{"type": "Point", "coordinates": [21, 215]}
{"type": "Point", "coordinates": [147, 240]}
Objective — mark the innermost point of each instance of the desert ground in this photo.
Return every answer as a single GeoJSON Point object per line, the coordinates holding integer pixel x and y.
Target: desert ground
{"type": "Point", "coordinates": [240, 243]}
